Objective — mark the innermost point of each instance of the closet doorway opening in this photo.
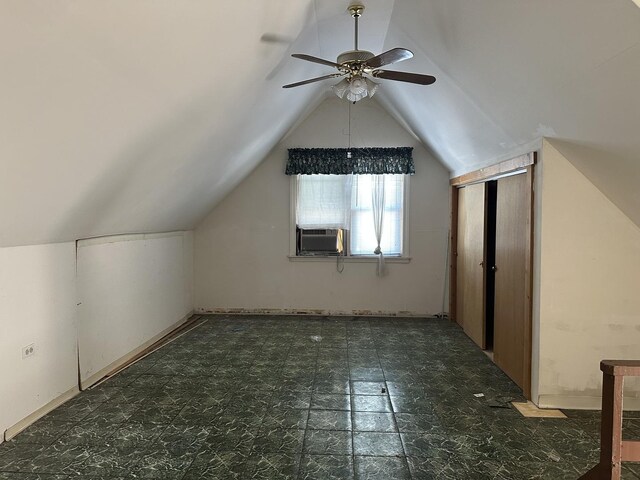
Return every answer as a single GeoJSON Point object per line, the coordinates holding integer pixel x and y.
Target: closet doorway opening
{"type": "Point", "coordinates": [491, 263]}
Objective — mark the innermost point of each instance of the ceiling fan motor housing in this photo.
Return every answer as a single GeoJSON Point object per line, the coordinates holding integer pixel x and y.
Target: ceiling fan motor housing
{"type": "Point", "coordinates": [354, 56]}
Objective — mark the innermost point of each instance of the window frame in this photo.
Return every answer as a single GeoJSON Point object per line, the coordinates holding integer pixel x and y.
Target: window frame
{"type": "Point", "coordinates": [405, 257]}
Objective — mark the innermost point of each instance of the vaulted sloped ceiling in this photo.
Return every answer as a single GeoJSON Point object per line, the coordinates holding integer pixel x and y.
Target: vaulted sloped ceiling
{"type": "Point", "coordinates": [126, 116]}
{"type": "Point", "coordinates": [512, 72]}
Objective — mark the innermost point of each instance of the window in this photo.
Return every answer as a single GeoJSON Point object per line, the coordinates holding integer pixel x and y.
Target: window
{"type": "Point", "coordinates": [345, 202]}
{"type": "Point", "coordinates": [363, 236]}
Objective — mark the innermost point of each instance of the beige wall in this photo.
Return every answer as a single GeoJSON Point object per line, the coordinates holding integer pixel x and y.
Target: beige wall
{"type": "Point", "coordinates": [37, 305]}
{"type": "Point", "coordinates": [589, 279]}
{"type": "Point", "coordinates": [131, 289]}
{"type": "Point", "coordinates": [87, 304]}
{"type": "Point", "coordinates": [241, 247]}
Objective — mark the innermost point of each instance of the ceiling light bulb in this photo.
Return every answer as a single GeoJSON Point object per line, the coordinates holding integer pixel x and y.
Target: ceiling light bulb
{"type": "Point", "coordinates": [358, 86]}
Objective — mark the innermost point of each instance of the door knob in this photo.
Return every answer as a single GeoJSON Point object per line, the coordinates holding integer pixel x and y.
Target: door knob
{"type": "Point", "coordinates": [494, 269]}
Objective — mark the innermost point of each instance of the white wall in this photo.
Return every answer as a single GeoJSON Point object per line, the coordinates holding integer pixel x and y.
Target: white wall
{"type": "Point", "coordinates": [37, 305]}
{"type": "Point", "coordinates": [241, 247]}
{"type": "Point", "coordinates": [131, 289]}
{"type": "Point", "coordinates": [589, 279]}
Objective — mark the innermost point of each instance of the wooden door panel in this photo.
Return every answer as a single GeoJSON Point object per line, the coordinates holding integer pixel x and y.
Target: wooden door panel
{"type": "Point", "coordinates": [510, 319]}
{"type": "Point", "coordinates": [470, 272]}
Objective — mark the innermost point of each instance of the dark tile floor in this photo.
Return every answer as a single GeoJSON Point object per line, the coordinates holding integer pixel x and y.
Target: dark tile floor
{"type": "Point", "coordinates": [258, 397]}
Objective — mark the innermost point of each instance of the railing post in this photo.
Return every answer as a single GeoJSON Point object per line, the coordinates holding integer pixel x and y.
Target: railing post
{"type": "Point", "coordinates": [613, 450]}
{"type": "Point", "coordinates": [611, 427]}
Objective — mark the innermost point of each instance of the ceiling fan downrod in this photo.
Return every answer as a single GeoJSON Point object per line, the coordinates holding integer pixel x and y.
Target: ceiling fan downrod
{"type": "Point", "coordinates": [356, 11]}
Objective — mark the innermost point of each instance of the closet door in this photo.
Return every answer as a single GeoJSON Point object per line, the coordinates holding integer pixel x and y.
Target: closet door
{"type": "Point", "coordinates": [470, 271]}
{"type": "Point", "coordinates": [511, 319]}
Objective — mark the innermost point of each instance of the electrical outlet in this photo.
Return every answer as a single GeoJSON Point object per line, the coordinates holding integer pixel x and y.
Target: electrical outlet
{"type": "Point", "coordinates": [28, 351]}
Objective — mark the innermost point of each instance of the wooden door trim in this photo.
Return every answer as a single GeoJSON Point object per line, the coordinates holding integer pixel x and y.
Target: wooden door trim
{"type": "Point", "coordinates": [528, 336]}
{"type": "Point", "coordinates": [453, 260]}
{"type": "Point", "coordinates": [493, 171]}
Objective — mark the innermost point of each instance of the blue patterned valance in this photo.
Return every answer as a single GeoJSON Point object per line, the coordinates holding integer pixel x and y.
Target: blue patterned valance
{"type": "Point", "coordinates": [345, 161]}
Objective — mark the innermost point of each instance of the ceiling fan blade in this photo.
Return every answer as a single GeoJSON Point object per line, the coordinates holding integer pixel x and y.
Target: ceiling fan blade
{"type": "Point", "coordinates": [310, 58]}
{"type": "Point", "coordinates": [312, 80]}
{"type": "Point", "coordinates": [404, 77]}
{"type": "Point", "coordinates": [394, 55]}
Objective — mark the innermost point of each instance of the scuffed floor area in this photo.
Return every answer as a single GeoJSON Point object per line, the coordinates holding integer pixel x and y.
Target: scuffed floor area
{"type": "Point", "coordinates": [307, 398]}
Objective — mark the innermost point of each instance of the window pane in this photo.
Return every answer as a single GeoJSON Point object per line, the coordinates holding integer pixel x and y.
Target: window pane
{"type": "Point", "coordinates": [363, 238]}
{"type": "Point", "coordinates": [323, 201]}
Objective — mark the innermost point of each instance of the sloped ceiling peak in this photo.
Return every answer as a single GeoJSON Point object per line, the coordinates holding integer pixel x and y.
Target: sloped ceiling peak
{"type": "Point", "coordinates": [139, 116]}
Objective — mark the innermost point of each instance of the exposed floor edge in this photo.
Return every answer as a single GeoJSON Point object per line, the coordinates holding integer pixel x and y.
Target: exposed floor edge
{"type": "Point", "coordinates": [303, 311]}
{"type": "Point", "coordinates": [41, 412]}
{"type": "Point", "coordinates": [530, 410]}
{"type": "Point", "coordinates": [147, 347]}
{"type": "Point", "coordinates": [567, 402]}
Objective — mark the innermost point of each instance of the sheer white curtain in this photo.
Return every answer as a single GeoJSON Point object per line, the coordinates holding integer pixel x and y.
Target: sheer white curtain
{"type": "Point", "coordinates": [323, 201]}
{"type": "Point", "coordinates": [377, 209]}
{"type": "Point", "coordinates": [363, 234]}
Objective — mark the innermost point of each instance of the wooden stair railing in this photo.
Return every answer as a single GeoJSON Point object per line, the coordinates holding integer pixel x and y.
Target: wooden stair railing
{"type": "Point", "coordinates": [614, 450]}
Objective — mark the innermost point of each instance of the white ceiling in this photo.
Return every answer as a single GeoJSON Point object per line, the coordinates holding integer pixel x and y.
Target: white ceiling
{"type": "Point", "coordinates": [140, 116]}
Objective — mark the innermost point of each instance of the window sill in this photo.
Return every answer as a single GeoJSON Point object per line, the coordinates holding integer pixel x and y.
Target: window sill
{"type": "Point", "coordinates": [354, 259]}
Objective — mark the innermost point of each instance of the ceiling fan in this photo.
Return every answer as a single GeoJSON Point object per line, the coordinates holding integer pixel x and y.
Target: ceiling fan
{"type": "Point", "coordinates": [357, 66]}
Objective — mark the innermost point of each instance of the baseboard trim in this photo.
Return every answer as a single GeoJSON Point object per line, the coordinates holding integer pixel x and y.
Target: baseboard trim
{"type": "Point", "coordinates": [117, 365]}
{"type": "Point", "coordinates": [575, 402]}
{"type": "Point", "coordinates": [310, 311]}
{"type": "Point", "coordinates": [41, 412]}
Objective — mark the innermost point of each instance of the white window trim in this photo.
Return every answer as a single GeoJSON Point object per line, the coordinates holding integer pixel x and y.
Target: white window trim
{"type": "Point", "coordinates": [406, 217]}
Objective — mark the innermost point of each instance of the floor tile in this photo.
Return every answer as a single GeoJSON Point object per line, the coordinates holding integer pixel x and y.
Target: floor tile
{"type": "Point", "coordinates": [360, 387]}
{"type": "Point", "coordinates": [216, 465]}
{"type": "Point", "coordinates": [381, 468]}
{"type": "Point", "coordinates": [291, 400]}
{"type": "Point", "coordinates": [374, 422]}
{"type": "Point", "coordinates": [255, 397]}
{"type": "Point", "coordinates": [133, 434]}
{"type": "Point", "coordinates": [20, 457]}
{"type": "Point", "coordinates": [183, 439]}
{"type": "Point", "coordinates": [321, 401]}
{"type": "Point", "coordinates": [236, 440]}
{"type": "Point", "coordinates": [42, 432]}
{"type": "Point", "coordinates": [30, 476]}
{"type": "Point", "coordinates": [377, 444]}
{"type": "Point", "coordinates": [85, 433]}
{"type": "Point", "coordinates": [370, 403]}
{"type": "Point", "coordinates": [285, 418]}
{"type": "Point", "coordinates": [329, 420]}
{"type": "Point", "coordinates": [162, 463]}
{"type": "Point", "coordinates": [272, 466]}
{"type": "Point", "coordinates": [109, 462]}
{"type": "Point", "coordinates": [328, 442]}
{"type": "Point", "coordinates": [278, 441]}
{"type": "Point", "coordinates": [411, 404]}
{"type": "Point", "coordinates": [326, 467]}
{"type": "Point", "coordinates": [417, 422]}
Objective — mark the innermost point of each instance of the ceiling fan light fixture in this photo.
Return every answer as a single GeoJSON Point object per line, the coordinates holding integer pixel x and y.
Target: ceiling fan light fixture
{"type": "Point", "coordinates": [341, 88]}
{"type": "Point", "coordinates": [358, 86]}
{"type": "Point", "coordinates": [372, 87]}
{"type": "Point", "coordinates": [355, 89]}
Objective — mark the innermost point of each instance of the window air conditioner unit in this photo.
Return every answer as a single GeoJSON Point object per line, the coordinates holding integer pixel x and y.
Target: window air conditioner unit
{"type": "Point", "coordinates": [320, 242]}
